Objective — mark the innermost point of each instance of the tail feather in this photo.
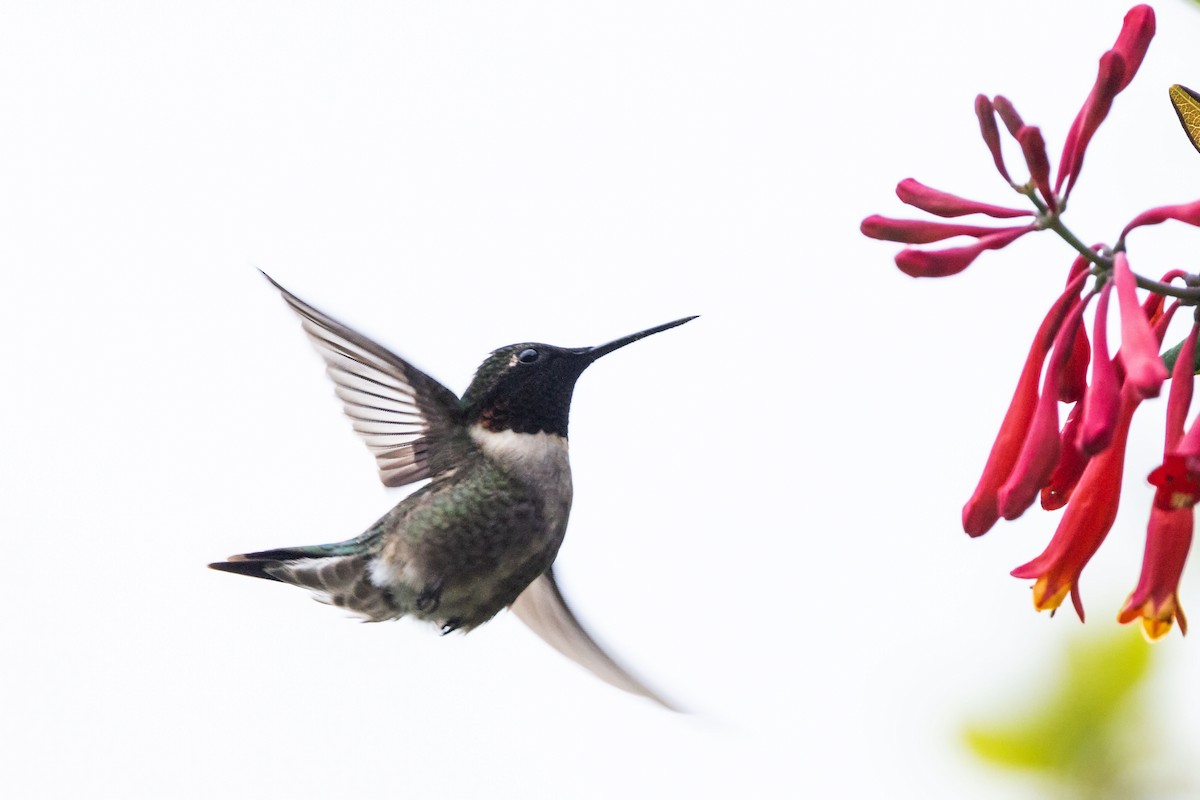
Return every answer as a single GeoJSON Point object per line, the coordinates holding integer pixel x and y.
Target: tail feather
{"type": "Point", "coordinates": [239, 565]}
{"type": "Point", "coordinates": [342, 581]}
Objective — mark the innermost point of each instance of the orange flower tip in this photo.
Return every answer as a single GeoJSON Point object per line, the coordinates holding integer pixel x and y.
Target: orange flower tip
{"type": "Point", "coordinates": [1156, 623]}
{"type": "Point", "coordinates": [1155, 629]}
{"type": "Point", "coordinates": [1043, 601]}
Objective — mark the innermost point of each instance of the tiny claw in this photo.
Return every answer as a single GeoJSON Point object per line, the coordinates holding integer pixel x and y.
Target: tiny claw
{"type": "Point", "coordinates": [452, 625]}
{"type": "Point", "coordinates": [430, 598]}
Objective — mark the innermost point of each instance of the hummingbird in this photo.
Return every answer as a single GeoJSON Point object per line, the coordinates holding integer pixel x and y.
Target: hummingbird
{"type": "Point", "coordinates": [484, 533]}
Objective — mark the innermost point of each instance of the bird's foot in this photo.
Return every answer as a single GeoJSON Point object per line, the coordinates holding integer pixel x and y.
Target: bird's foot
{"type": "Point", "coordinates": [430, 598]}
{"type": "Point", "coordinates": [451, 625]}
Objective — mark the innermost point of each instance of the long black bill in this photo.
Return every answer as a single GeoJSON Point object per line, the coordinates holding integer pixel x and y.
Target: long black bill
{"type": "Point", "coordinates": [602, 350]}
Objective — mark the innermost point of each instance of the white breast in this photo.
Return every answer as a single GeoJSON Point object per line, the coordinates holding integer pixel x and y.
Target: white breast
{"type": "Point", "coordinates": [537, 459]}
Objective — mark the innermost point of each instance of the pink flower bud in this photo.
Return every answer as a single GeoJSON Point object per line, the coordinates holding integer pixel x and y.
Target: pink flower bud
{"type": "Point", "coordinates": [940, 263]}
{"type": "Point", "coordinates": [944, 204]}
{"type": "Point", "coordinates": [1134, 39]}
{"type": "Point", "coordinates": [1184, 212]}
{"type": "Point", "coordinates": [1008, 114]}
{"type": "Point", "coordinates": [986, 113]}
{"type": "Point", "coordinates": [912, 231]}
{"type": "Point", "coordinates": [1033, 146]}
{"type": "Point", "coordinates": [1144, 370]}
{"type": "Point", "coordinates": [1104, 392]}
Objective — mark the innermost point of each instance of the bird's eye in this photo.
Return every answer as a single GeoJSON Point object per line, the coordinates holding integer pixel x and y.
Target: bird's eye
{"type": "Point", "coordinates": [528, 355]}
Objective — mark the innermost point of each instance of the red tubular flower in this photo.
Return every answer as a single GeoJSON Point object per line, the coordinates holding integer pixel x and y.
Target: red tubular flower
{"type": "Point", "coordinates": [1156, 598]}
{"type": "Point", "coordinates": [1179, 400]}
{"type": "Point", "coordinates": [1087, 520]}
{"type": "Point", "coordinates": [1071, 462]}
{"type": "Point", "coordinates": [1109, 79]}
{"type": "Point", "coordinates": [1184, 212]}
{"type": "Point", "coordinates": [940, 263]}
{"type": "Point", "coordinates": [982, 511]}
{"type": "Point", "coordinates": [986, 113]}
{"type": "Point", "coordinates": [915, 231]}
{"type": "Point", "coordinates": [1041, 448]}
{"type": "Point", "coordinates": [1033, 146]}
{"type": "Point", "coordinates": [1117, 68]}
{"type": "Point", "coordinates": [1139, 350]}
{"type": "Point", "coordinates": [943, 204]}
{"type": "Point", "coordinates": [1104, 392]}
{"type": "Point", "coordinates": [1169, 533]}
{"type": "Point", "coordinates": [1134, 40]}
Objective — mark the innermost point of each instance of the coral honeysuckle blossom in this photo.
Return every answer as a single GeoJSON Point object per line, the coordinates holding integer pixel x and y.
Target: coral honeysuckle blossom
{"type": "Point", "coordinates": [1077, 463]}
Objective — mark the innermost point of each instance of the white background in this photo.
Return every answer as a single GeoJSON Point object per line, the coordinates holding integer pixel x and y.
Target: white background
{"type": "Point", "coordinates": [766, 521]}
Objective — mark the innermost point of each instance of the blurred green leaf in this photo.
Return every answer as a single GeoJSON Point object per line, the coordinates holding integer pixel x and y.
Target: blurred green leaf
{"type": "Point", "coordinates": [1077, 733]}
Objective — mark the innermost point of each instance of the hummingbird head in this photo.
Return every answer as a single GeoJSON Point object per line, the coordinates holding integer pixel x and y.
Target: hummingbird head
{"type": "Point", "coordinates": [527, 387]}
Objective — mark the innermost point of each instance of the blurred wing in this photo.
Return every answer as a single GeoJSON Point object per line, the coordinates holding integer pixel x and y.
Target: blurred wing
{"type": "Point", "coordinates": [407, 419]}
{"type": "Point", "coordinates": [542, 607]}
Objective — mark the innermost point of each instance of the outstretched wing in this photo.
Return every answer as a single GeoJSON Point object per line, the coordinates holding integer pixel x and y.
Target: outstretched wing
{"type": "Point", "coordinates": [542, 607]}
{"type": "Point", "coordinates": [407, 419]}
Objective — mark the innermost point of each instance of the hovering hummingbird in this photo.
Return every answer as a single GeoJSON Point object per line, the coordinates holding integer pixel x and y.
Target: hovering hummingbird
{"type": "Point", "coordinates": [484, 532]}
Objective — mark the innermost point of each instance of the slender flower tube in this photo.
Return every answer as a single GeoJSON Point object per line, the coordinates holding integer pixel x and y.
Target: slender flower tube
{"type": "Point", "coordinates": [986, 113]}
{"type": "Point", "coordinates": [1184, 212]}
{"type": "Point", "coordinates": [1117, 68]}
{"type": "Point", "coordinates": [1042, 447]}
{"type": "Point", "coordinates": [1085, 523]}
{"type": "Point", "coordinates": [1104, 392]}
{"type": "Point", "coordinates": [918, 231]}
{"type": "Point", "coordinates": [943, 204]}
{"type": "Point", "coordinates": [982, 511]}
{"type": "Point", "coordinates": [1144, 368]}
{"type": "Point", "coordinates": [1156, 598]}
{"type": "Point", "coordinates": [1008, 115]}
{"type": "Point", "coordinates": [952, 260]}
{"type": "Point", "coordinates": [1169, 533]}
{"type": "Point", "coordinates": [1033, 146]}
{"type": "Point", "coordinates": [1071, 462]}
{"type": "Point", "coordinates": [1093, 507]}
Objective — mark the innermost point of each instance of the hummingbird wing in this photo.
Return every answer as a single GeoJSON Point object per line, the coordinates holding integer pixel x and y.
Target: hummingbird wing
{"type": "Point", "coordinates": [544, 609]}
{"type": "Point", "coordinates": [408, 420]}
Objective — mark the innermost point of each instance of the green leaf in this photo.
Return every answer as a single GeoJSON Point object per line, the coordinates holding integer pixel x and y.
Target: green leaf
{"type": "Point", "coordinates": [1170, 356]}
{"type": "Point", "coordinates": [1074, 732]}
{"type": "Point", "coordinates": [1187, 107]}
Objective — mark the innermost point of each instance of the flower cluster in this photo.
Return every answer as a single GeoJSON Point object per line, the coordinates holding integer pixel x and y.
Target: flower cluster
{"type": "Point", "coordinates": [1077, 463]}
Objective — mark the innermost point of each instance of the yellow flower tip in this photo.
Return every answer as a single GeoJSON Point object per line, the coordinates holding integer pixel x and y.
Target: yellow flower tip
{"type": "Point", "coordinates": [1154, 628]}
{"type": "Point", "coordinates": [1156, 622]}
{"type": "Point", "coordinates": [1044, 602]}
